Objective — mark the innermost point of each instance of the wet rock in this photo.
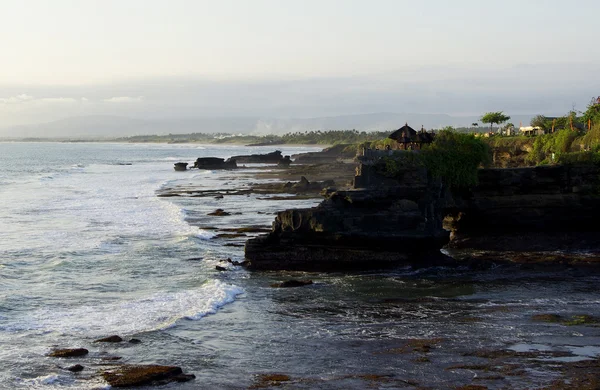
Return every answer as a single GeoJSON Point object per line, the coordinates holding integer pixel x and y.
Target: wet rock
{"type": "Point", "coordinates": [69, 352]}
{"type": "Point", "coordinates": [219, 197]}
{"type": "Point", "coordinates": [111, 358]}
{"type": "Point", "coordinates": [214, 163]}
{"type": "Point", "coordinates": [267, 158]}
{"type": "Point", "coordinates": [249, 229]}
{"type": "Point", "coordinates": [219, 268]}
{"type": "Point", "coordinates": [284, 162]}
{"type": "Point", "coordinates": [547, 318]}
{"type": "Point", "coordinates": [144, 375]}
{"type": "Point", "coordinates": [110, 339]}
{"type": "Point", "coordinates": [238, 263]}
{"type": "Point", "coordinates": [219, 213]}
{"type": "Point", "coordinates": [230, 235]}
{"type": "Point", "coordinates": [292, 283]}
{"type": "Point", "coordinates": [135, 341]}
{"type": "Point", "coordinates": [181, 166]}
{"type": "Point", "coordinates": [75, 368]}
{"type": "Point", "coordinates": [270, 380]}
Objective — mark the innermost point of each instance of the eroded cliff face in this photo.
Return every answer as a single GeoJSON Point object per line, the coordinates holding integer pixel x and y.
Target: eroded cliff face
{"type": "Point", "coordinates": [548, 208]}
{"type": "Point", "coordinates": [359, 229]}
{"type": "Point", "coordinates": [513, 215]}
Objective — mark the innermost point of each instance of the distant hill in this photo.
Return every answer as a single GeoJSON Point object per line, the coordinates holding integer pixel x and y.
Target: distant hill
{"type": "Point", "coordinates": [106, 126]}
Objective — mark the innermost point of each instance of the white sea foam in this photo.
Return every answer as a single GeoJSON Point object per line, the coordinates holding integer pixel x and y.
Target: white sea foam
{"type": "Point", "coordinates": [155, 312]}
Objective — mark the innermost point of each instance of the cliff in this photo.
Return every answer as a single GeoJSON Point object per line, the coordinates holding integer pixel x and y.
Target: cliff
{"type": "Point", "coordinates": [358, 229]}
{"type": "Point", "coordinates": [546, 208]}
{"type": "Point", "coordinates": [391, 223]}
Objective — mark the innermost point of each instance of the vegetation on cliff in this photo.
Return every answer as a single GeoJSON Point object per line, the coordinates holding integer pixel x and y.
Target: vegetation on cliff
{"type": "Point", "coordinates": [454, 157]}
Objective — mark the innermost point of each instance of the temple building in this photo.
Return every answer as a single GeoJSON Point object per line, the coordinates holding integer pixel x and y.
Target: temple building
{"type": "Point", "coordinates": [408, 138]}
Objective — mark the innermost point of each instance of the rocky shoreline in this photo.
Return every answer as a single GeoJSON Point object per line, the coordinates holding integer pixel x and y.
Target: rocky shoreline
{"type": "Point", "coordinates": [513, 215]}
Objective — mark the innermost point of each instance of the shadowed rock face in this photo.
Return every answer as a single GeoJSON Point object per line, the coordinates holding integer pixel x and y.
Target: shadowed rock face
{"type": "Point", "coordinates": [214, 163]}
{"type": "Point", "coordinates": [353, 230]}
{"type": "Point", "coordinates": [529, 209]}
{"type": "Point", "coordinates": [392, 223]}
{"type": "Point", "coordinates": [267, 158]}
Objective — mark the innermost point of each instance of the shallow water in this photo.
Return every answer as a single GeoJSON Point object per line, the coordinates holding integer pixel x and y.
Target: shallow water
{"type": "Point", "coordinates": [87, 250]}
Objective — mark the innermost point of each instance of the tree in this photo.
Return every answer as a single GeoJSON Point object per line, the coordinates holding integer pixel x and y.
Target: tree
{"type": "Point", "coordinates": [494, 117]}
{"type": "Point", "coordinates": [539, 121]}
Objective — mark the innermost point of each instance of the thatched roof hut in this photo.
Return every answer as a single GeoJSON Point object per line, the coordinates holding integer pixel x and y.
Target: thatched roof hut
{"type": "Point", "coordinates": [410, 138]}
{"type": "Point", "coordinates": [403, 134]}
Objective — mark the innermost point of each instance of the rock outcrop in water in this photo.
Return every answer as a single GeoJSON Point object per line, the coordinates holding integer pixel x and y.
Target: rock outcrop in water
{"type": "Point", "coordinates": [214, 163]}
{"type": "Point", "coordinates": [395, 222]}
{"type": "Point", "coordinates": [144, 375]}
{"type": "Point", "coordinates": [181, 166]}
{"type": "Point", "coordinates": [358, 229]}
{"type": "Point", "coordinates": [267, 158]}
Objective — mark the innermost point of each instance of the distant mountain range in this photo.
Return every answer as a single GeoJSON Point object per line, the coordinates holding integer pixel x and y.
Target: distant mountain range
{"type": "Point", "coordinates": [106, 126]}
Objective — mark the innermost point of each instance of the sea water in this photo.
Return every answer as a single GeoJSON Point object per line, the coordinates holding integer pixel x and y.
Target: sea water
{"type": "Point", "coordinates": [88, 250]}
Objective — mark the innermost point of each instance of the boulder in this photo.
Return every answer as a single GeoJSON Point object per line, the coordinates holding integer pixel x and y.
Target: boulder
{"type": "Point", "coordinates": [292, 283]}
{"type": "Point", "coordinates": [75, 368]}
{"type": "Point", "coordinates": [284, 162]}
{"type": "Point", "coordinates": [110, 339]}
{"type": "Point", "coordinates": [69, 352]}
{"type": "Point", "coordinates": [219, 213]}
{"type": "Point", "coordinates": [181, 166]}
{"type": "Point", "coordinates": [144, 375]}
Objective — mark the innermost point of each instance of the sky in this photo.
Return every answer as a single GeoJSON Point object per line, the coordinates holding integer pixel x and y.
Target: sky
{"type": "Point", "coordinates": [281, 58]}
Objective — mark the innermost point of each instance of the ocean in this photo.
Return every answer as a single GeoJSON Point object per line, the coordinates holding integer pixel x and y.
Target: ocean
{"type": "Point", "coordinates": [88, 250]}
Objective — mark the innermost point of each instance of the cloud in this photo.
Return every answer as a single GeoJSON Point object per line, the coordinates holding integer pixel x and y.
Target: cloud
{"type": "Point", "coordinates": [57, 100]}
{"type": "Point", "coordinates": [25, 98]}
{"type": "Point", "coordinates": [124, 99]}
{"type": "Point", "coordinates": [22, 98]}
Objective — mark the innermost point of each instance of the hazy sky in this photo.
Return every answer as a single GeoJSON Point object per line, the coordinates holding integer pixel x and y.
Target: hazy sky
{"type": "Point", "coordinates": [147, 58]}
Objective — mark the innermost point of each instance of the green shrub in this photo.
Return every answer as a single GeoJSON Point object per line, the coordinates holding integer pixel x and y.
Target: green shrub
{"type": "Point", "coordinates": [579, 158]}
{"type": "Point", "coordinates": [453, 157]}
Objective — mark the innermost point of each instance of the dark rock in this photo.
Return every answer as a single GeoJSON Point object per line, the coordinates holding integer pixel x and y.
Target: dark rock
{"type": "Point", "coordinates": [328, 155]}
{"type": "Point", "coordinates": [356, 230]}
{"type": "Point", "coordinates": [529, 210]}
{"type": "Point", "coordinates": [292, 283]}
{"type": "Point", "coordinates": [387, 222]}
{"type": "Point", "coordinates": [219, 213]}
{"type": "Point", "coordinates": [238, 263]}
{"type": "Point", "coordinates": [214, 163]}
{"type": "Point", "coordinates": [110, 339]}
{"type": "Point", "coordinates": [219, 197]}
{"type": "Point", "coordinates": [284, 162]}
{"type": "Point", "coordinates": [111, 358]}
{"type": "Point", "coordinates": [184, 378]}
{"type": "Point", "coordinates": [69, 352]}
{"type": "Point", "coordinates": [143, 375]}
{"type": "Point", "coordinates": [268, 158]}
{"type": "Point", "coordinates": [75, 368]}
{"type": "Point", "coordinates": [135, 341]}
{"type": "Point", "coordinates": [181, 166]}
{"type": "Point", "coordinates": [219, 268]}
{"type": "Point", "coordinates": [230, 235]}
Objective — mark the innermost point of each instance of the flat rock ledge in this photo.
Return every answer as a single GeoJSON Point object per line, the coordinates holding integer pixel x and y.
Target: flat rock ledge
{"type": "Point", "coordinates": [145, 375]}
